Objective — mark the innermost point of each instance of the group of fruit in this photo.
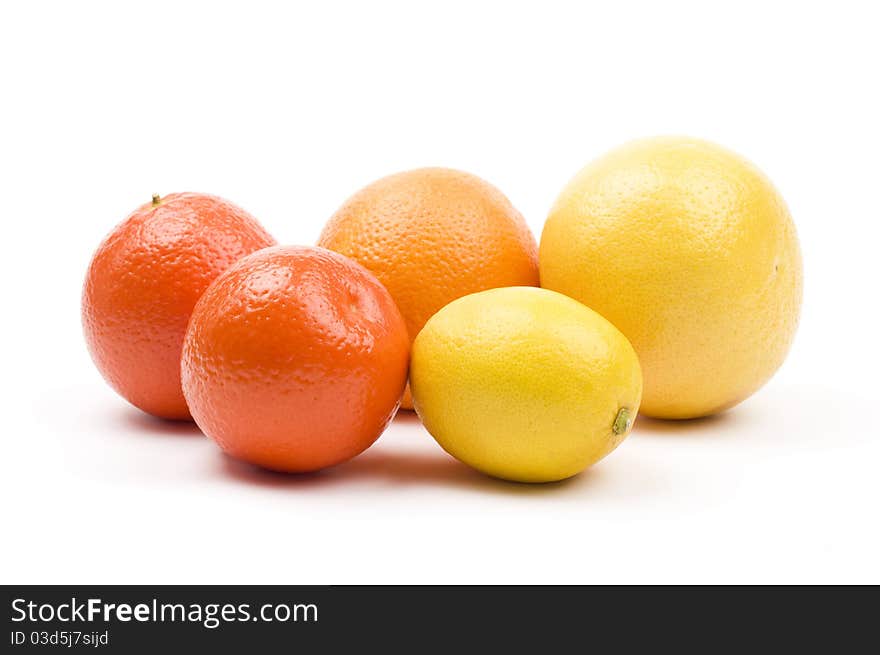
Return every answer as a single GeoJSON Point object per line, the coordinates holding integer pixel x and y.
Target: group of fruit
{"type": "Point", "coordinates": [670, 263]}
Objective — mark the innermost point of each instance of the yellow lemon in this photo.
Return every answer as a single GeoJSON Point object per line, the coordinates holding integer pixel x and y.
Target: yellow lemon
{"type": "Point", "coordinates": [524, 384]}
{"type": "Point", "coordinates": [690, 251]}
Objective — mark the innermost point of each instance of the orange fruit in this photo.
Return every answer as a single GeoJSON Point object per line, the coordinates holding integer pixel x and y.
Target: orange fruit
{"type": "Point", "coordinates": [431, 236]}
{"type": "Point", "coordinates": [295, 359]}
{"type": "Point", "coordinates": [143, 282]}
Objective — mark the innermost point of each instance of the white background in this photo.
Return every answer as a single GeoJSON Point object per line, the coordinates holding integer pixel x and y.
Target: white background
{"type": "Point", "coordinates": [287, 111]}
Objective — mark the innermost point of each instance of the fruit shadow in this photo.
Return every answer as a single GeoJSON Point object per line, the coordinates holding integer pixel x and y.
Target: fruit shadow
{"type": "Point", "coordinates": [400, 469]}
{"type": "Point", "coordinates": [705, 426]}
{"type": "Point", "coordinates": [383, 466]}
{"type": "Point", "coordinates": [143, 423]}
{"type": "Point", "coordinates": [407, 417]}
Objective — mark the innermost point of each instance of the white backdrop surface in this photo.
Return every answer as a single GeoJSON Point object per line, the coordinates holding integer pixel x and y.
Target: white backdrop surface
{"type": "Point", "coordinates": [287, 110]}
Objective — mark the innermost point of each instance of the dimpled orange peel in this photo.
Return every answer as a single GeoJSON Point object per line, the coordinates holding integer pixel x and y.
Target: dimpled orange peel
{"type": "Point", "coordinates": [295, 359]}
{"type": "Point", "coordinates": [143, 282]}
{"type": "Point", "coordinates": [432, 235]}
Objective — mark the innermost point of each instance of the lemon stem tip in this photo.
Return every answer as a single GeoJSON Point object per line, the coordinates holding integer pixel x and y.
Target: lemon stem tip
{"type": "Point", "coordinates": [623, 421]}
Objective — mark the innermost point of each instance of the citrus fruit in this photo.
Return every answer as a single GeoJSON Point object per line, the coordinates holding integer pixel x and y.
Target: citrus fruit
{"type": "Point", "coordinates": [295, 359]}
{"type": "Point", "coordinates": [524, 384]}
{"type": "Point", "coordinates": [143, 282]}
{"type": "Point", "coordinates": [690, 251]}
{"type": "Point", "coordinates": [433, 235]}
